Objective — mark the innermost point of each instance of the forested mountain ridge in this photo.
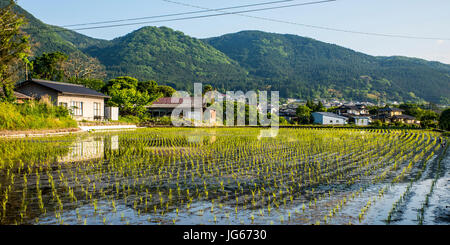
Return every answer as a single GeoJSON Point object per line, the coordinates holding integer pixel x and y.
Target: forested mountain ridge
{"type": "Point", "coordinates": [306, 67]}
{"type": "Point", "coordinates": [250, 60]}
{"type": "Point", "coordinates": [169, 56]}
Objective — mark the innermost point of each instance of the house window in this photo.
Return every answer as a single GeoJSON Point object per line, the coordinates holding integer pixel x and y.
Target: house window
{"type": "Point", "coordinates": [97, 109]}
{"type": "Point", "coordinates": [77, 108]}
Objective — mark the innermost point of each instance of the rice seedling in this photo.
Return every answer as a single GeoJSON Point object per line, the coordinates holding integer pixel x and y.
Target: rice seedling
{"type": "Point", "coordinates": [302, 175]}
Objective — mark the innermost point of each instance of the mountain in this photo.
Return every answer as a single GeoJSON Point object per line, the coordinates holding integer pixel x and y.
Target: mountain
{"type": "Point", "coordinates": [48, 38]}
{"type": "Point", "coordinates": [306, 67]}
{"type": "Point", "coordinates": [250, 60]}
{"type": "Point", "coordinates": [168, 56]}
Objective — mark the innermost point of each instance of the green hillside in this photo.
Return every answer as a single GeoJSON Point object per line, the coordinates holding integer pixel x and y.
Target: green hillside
{"type": "Point", "coordinates": [305, 67]}
{"type": "Point", "coordinates": [169, 57]}
{"type": "Point", "coordinates": [48, 38]}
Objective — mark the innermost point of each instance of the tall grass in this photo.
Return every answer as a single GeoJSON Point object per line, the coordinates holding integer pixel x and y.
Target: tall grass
{"type": "Point", "coordinates": [34, 115]}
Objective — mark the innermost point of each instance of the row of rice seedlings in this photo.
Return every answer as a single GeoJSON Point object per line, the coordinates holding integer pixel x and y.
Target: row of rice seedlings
{"type": "Point", "coordinates": [275, 172]}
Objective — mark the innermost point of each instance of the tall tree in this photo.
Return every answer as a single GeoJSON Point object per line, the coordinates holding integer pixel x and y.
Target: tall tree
{"type": "Point", "coordinates": [125, 94]}
{"type": "Point", "coordinates": [167, 91]}
{"type": "Point", "coordinates": [444, 120]}
{"type": "Point", "coordinates": [304, 114]}
{"type": "Point", "coordinates": [80, 66]}
{"type": "Point", "coordinates": [49, 66]}
{"type": "Point", "coordinates": [14, 48]}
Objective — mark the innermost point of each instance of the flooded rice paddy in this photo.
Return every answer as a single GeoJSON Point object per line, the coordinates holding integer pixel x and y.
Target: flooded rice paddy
{"type": "Point", "coordinates": [227, 176]}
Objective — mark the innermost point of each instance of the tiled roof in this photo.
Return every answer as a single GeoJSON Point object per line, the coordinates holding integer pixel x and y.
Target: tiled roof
{"type": "Point", "coordinates": [391, 109]}
{"type": "Point", "coordinates": [66, 88]}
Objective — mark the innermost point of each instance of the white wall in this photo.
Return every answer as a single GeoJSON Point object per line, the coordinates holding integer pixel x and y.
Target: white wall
{"type": "Point", "coordinates": [88, 105]}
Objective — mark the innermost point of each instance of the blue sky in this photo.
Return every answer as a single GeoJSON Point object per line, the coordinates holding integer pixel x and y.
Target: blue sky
{"type": "Point", "coordinates": [428, 18]}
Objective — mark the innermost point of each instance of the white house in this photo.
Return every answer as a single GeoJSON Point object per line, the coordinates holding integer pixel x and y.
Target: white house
{"type": "Point", "coordinates": [84, 103]}
{"type": "Point", "coordinates": [328, 118]}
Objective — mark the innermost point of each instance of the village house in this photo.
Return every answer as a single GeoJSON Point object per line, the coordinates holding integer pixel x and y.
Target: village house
{"type": "Point", "coordinates": [393, 115]}
{"type": "Point", "coordinates": [328, 118]}
{"type": "Point", "coordinates": [84, 103]}
{"type": "Point", "coordinates": [163, 107]}
{"type": "Point", "coordinates": [357, 114]}
{"type": "Point", "coordinates": [354, 110]}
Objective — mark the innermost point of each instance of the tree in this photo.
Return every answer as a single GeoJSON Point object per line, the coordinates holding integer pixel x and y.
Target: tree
{"type": "Point", "coordinates": [166, 91]}
{"type": "Point", "coordinates": [14, 48]}
{"type": "Point", "coordinates": [319, 107]}
{"type": "Point", "coordinates": [444, 120]}
{"type": "Point", "coordinates": [125, 94]}
{"type": "Point", "coordinates": [80, 66]}
{"type": "Point", "coordinates": [49, 66]}
{"type": "Point", "coordinates": [207, 88]}
{"type": "Point", "coordinates": [95, 84]}
{"type": "Point", "coordinates": [310, 104]}
{"type": "Point", "coordinates": [151, 87]}
{"type": "Point", "coordinates": [304, 114]}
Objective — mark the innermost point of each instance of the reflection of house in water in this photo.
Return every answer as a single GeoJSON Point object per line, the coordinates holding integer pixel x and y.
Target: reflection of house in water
{"type": "Point", "coordinates": [90, 148]}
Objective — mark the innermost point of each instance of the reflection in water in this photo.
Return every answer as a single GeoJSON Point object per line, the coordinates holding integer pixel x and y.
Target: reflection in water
{"type": "Point", "coordinates": [90, 148]}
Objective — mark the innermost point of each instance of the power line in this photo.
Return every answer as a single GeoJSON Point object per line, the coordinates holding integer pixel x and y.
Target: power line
{"type": "Point", "coordinates": [193, 17]}
{"type": "Point", "coordinates": [241, 13]}
{"type": "Point", "coordinates": [318, 27]}
{"type": "Point", "coordinates": [178, 14]}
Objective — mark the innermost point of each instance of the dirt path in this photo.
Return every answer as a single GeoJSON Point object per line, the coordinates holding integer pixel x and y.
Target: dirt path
{"type": "Point", "coordinates": [29, 133]}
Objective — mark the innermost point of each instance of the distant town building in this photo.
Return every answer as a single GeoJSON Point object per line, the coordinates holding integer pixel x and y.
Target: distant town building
{"type": "Point", "coordinates": [352, 110]}
{"type": "Point", "coordinates": [361, 120]}
{"type": "Point", "coordinates": [393, 114]}
{"type": "Point", "coordinates": [328, 118]}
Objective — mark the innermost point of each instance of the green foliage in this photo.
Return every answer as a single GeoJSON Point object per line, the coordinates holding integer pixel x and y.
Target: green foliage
{"type": "Point", "coordinates": [91, 83]}
{"type": "Point", "coordinates": [7, 93]}
{"type": "Point", "coordinates": [315, 108]}
{"type": "Point", "coordinates": [304, 114]}
{"type": "Point", "coordinates": [421, 114]}
{"type": "Point", "coordinates": [163, 54]}
{"type": "Point", "coordinates": [14, 48]}
{"type": "Point", "coordinates": [130, 119]}
{"type": "Point", "coordinates": [34, 115]}
{"type": "Point", "coordinates": [207, 88]}
{"type": "Point", "coordinates": [49, 66]}
{"type": "Point", "coordinates": [444, 120]}
{"type": "Point", "coordinates": [125, 94]}
{"type": "Point", "coordinates": [166, 91]}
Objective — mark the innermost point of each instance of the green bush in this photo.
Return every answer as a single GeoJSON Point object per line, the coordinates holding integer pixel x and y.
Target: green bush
{"type": "Point", "coordinates": [34, 115]}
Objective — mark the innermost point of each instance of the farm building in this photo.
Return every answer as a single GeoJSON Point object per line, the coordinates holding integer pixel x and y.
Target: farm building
{"type": "Point", "coordinates": [328, 118]}
{"type": "Point", "coordinates": [84, 103]}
